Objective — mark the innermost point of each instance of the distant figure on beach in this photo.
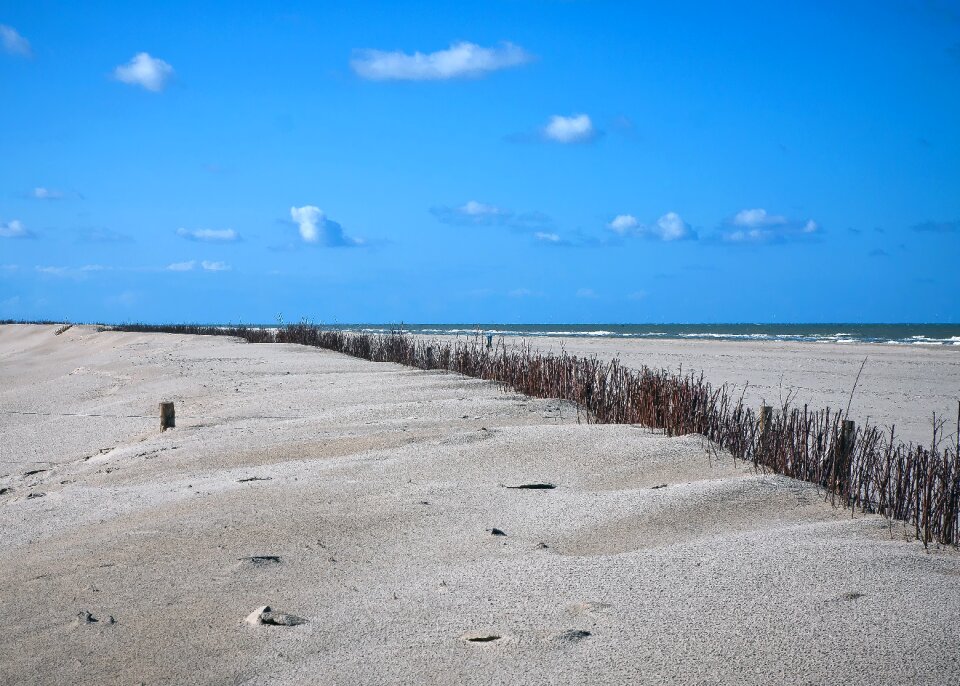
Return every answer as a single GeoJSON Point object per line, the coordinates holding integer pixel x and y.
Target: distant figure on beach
{"type": "Point", "coordinates": [489, 341]}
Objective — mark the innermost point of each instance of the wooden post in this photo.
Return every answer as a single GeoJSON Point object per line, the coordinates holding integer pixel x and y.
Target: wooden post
{"type": "Point", "coordinates": [766, 419]}
{"type": "Point", "coordinates": [764, 422]}
{"type": "Point", "coordinates": [167, 416]}
{"type": "Point", "coordinates": [848, 433]}
{"type": "Point", "coordinates": [430, 364]}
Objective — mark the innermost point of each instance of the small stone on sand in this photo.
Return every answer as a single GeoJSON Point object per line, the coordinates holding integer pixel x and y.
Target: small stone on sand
{"type": "Point", "coordinates": [266, 616]}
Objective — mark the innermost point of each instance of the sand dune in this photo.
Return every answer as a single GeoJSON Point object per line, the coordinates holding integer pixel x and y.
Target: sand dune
{"type": "Point", "coordinates": [361, 498]}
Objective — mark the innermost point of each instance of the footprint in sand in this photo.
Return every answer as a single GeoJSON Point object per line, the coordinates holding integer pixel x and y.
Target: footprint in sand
{"type": "Point", "coordinates": [261, 560]}
{"type": "Point", "coordinates": [572, 635]}
{"type": "Point", "coordinates": [84, 618]}
{"type": "Point", "coordinates": [480, 637]}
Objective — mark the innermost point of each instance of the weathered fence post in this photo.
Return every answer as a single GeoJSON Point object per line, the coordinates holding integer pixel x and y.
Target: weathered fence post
{"type": "Point", "coordinates": [765, 419]}
{"type": "Point", "coordinates": [167, 416]}
{"type": "Point", "coordinates": [430, 364]}
{"type": "Point", "coordinates": [764, 422]}
{"type": "Point", "coordinates": [848, 433]}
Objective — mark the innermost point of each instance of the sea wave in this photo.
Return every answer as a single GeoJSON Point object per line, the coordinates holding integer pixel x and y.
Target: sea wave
{"type": "Point", "coordinates": [843, 337]}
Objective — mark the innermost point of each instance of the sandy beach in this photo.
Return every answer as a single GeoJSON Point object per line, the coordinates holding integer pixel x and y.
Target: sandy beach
{"type": "Point", "coordinates": [383, 506]}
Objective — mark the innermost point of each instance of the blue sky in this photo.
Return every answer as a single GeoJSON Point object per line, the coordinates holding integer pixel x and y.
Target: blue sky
{"type": "Point", "coordinates": [519, 161]}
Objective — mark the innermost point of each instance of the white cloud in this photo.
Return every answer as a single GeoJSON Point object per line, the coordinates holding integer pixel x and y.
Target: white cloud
{"type": "Point", "coordinates": [215, 266]}
{"type": "Point", "coordinates": [756, 218]}
{"type": "Point", "coordinates": [308, 217]}
{"type": "Point", "coordinates": [586, 293]}
{"type": "Point", "coordinates": [182, 266]}
{"type": "Point", "coordinates": [13, 229]}
{"type": "Point", "coordinates": [750, 236]}
{"type": "Point", "coordinates": [149, 72]}
{"type": "Point", "coordinates": [78, 273]}
{"type": "Point", "coordinates": [574, 129]}
{"type": "Point", "coordinates": [520, 293]}
{"type": "Point", "coordinates": [473, 208]}
{"type": "Point", "coordinates": [209, 235]}
{"type": "Point", "coordinates": [460, 60]}
{"type": "Point", "coordinates": [46, 194]}
{"type": "Point", "coordinates": [53, 271]}
{"type": "Point", "coordinates": [315, 225]}
{"type": "Point", "coordinates": [757, 226]}
{"type": "Point", "coordinates": [13, 42]}
{"type": "Point", "coordinates": [623, 223]}
{"type": "Point", "coordinates": [670, 227]}
{"type": "Point", "coordinates": [547, 237]}
{"type": "Point", "coordinates": [474, 213]}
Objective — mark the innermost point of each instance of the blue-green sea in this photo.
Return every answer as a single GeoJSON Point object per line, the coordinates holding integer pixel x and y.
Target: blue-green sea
{"type": "Point", "coordinates": [898, 334]}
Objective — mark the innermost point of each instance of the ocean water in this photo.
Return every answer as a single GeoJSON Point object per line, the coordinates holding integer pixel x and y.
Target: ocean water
{"type": "Point", "coordinates": [891, 334]}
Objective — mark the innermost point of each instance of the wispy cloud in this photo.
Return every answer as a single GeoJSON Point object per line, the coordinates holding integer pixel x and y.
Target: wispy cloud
{"type": "Point", "coordinates": [757, 226]}
{"type": "Point", "coordinates": [209, 235]}
{"type": "Point", "coordinates": [51, 271]}
{"type": "Point", "coordinates": [13, 43]}
{"type": "Point", "coordinates": [757, 218]}
{"type": "Point", "coordinates": [205, 265]}
{"type": "Point", "coordinates": [577, 128]}
{"type": "Point", "coordinates": [70, 272]}
{"type": "Point", "coordinates": [587, 293]}
{"type": "Point", "coordinates": [14, 229]}
{"type": "Point", "coordinates": [100, 234]}
{"type": "Point", "coordinates": [182, 266]}
{"type": "Point", "coordinates": [215, 266]}
{"type": "Point", "coordinates": [315, 227]}
{"type": "Point", "coordinates": [46, 194]}
{"type": "Point", "coordinates": [143, 70]}
{"type": "Point", "coordinates": [474, 213]}
{"type": "Point", "coordinates": [669, 227]}
{"type": "Point", "coordinates": [460, 60]}
{"type": "Point", "coordinates": [938, 227]}
{"type": "Point", "coordinates": [547, 237]}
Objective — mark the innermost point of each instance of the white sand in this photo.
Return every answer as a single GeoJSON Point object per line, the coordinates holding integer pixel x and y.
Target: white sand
{"type": "Point", "coordinates": [381, 484]}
